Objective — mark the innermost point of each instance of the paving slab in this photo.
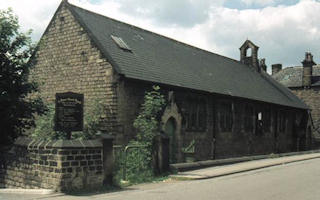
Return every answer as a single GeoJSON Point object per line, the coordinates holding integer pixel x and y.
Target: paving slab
{"type": "Point", "coordinates": [26, 191]}
{"type": "Point", "coordinates": [212, 172]}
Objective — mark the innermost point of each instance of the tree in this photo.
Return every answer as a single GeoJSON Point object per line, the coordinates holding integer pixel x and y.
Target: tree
{"type": "Point", "coordinates": [16, 108]}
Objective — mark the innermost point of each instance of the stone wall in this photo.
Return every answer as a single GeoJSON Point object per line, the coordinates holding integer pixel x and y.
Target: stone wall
{"type": "Point", "coordinates": [68, 61]}
{"type": "Point", "coordinates": [62, 165]}
{"type": "Point", "coordinates": [257, 141]}
{"type": "Point", "coordinates": [311, 97]}
{"type": "Point", "coordinates": [213, 142]}
{"type": "Point", "coordinates": [130, 97]}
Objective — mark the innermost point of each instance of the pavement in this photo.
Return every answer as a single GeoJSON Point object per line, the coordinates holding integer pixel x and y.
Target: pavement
{"type": "Point", "coordinates": [27, 191]}
{"type": "Point", "coordinates": [217, 171]}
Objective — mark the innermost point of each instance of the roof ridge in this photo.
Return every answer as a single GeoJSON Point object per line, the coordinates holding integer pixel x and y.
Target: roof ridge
{"type": "Point", "coordinates": [292, 67]}
{"type": "Point", "coordinates": [154, 33]}
{"type": "Point", "coordinates": [289, 67]}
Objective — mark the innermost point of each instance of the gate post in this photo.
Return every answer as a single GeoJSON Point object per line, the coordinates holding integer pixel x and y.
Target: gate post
{"type": "Point", "coordinates": [164, 154]}
{"type": "Point", "coordinates": [161, 154]}
{"type": "Point", "coordinates": [108, 161]}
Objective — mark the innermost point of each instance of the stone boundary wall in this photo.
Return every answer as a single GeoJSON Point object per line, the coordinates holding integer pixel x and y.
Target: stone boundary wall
{"type": "Point", "coordinates": [62, 165]}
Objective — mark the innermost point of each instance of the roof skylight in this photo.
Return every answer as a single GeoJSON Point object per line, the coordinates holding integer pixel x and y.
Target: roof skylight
{"type": "Point", "coordinates": [120, 43]}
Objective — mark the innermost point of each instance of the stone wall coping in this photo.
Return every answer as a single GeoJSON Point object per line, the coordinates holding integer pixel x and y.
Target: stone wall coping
{"type": "Point", "coordinates": [61, 144]}
{"type": "Point", "coordinates": [107, 136]}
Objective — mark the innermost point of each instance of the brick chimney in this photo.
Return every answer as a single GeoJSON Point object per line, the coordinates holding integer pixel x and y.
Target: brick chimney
{"type": "Point", "coordinates": [251, 60]}
{"type": "Point", "coordinates": [263, 65]}
{"type": "Point", "coordinates": [276, 68]}
{"type": "Point", "coordinates": [307, 70]}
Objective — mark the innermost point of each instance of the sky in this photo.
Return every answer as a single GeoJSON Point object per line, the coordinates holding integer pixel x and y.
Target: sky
{"type": "Point", "coordinates": [283, 29]}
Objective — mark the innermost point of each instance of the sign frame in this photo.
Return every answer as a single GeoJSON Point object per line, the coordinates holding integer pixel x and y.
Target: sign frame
{"type": "Point", "coordinates": [69, 112]}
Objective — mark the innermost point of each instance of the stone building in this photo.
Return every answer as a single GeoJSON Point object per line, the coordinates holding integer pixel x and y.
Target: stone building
{"type": "Point", "coordinates": [227, 107]}
{"type": "Point", "coordinates": [304, 82]}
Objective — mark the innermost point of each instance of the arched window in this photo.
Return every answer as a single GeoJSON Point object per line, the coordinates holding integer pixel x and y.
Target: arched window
{"type": "Point", "coordinates": [197, 114]}
{"type": "Point", "coordinates": [248, 118]}
{"type": "Point", "coordinates": [225, 116]}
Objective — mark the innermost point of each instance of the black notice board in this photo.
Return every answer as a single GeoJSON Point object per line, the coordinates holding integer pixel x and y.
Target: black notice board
{"type": "Point", "coordinates": [69, 112]}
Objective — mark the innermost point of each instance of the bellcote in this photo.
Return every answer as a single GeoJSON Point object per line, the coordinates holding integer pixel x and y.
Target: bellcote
{"type": "Point", "coordinates": [249, 59]}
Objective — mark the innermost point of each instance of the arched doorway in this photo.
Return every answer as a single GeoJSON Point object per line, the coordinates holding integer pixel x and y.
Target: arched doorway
{"type": "Point", "coordinates": [170, 131]}
{"type": "Point", "coordinates": [171, 126]}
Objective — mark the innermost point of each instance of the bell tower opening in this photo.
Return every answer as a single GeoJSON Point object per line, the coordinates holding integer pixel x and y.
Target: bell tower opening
{"type": "Point", "coordinates": [249, 54]}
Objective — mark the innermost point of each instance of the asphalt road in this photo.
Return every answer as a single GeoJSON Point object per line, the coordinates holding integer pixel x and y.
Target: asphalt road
{"type": "Point", "coordinates": [295, 181]}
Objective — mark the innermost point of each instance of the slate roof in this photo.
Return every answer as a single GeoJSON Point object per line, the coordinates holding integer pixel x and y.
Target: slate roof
{"type": "Point", "coordinates": [162, 60]}
{"type": "Point", "coordinates": [292, 76]}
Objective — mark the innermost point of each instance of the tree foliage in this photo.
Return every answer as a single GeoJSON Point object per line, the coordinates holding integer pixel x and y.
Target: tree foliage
{"type": "Point", "coordinates": [16, 109]}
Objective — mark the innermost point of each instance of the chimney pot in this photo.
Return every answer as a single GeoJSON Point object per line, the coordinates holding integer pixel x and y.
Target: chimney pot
{"type": "Point", "coordinates": [307, 70]}
{"type": "Point", "coordinates": [263, 65]}
{"type": "Point", "coordinates": [309, 57]}
{"type": "Point", "coordinates": [276, 68]}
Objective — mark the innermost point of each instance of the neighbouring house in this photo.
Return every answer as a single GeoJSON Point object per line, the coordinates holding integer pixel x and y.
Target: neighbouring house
{"type": "Point", "coordinates": [227, 108]}
{"type": "Point", "coordinates": [304, 82]}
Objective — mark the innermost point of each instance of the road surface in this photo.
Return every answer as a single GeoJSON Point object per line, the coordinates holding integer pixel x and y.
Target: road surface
{"type": "Point", "coordinates": [295, 181]}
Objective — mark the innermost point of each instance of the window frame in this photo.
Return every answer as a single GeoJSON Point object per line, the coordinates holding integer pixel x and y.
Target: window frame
{"type": "Point", "coordinates": [249, 127]}
{"type": "Point", "coordinates": [282, 121]}
{"type": "Point", "coordinates": [225, 110]}
{"type": "Point", "coordinates": [196, 114]}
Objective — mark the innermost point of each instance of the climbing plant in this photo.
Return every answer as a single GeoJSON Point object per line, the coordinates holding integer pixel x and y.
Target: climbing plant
{"type": "Point", "coordinates": [139, 160]}
{"type": "Point", "coordinates": [147, 122]}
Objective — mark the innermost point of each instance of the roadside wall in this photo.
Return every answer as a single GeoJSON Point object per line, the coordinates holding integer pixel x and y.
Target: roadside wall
{"type": "Point", "coordinates": [62, 165]}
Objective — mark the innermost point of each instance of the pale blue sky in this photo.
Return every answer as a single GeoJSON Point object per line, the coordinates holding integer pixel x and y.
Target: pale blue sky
{"type": "Point", "coordinates": [241, 5]}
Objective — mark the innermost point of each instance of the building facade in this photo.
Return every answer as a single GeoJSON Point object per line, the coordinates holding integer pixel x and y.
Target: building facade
{"type": "Point", "coordinates": [304, 82]}
{"type": "Point", "coordinates": [227, 108]}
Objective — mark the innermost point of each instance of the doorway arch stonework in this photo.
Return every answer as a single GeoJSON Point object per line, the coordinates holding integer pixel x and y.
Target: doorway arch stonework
{"type": "Point", "coordinates": [172, 112]}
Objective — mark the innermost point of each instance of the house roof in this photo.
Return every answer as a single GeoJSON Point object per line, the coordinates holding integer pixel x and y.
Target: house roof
{"type": "Point", "coordinates": [155, 58]}
{"type": "Point", "coordinates": [292, 76]}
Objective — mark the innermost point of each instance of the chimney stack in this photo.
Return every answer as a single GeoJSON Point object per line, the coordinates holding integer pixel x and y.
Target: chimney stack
{"type": "Point", "coordinates": [263, 65]}
{"type": "Point", "coordinates": [276, 68]}
{"type": "Point", "coordinates": [307, 70]}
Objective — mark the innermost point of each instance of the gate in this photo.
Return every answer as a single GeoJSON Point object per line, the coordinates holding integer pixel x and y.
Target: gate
{"type": "Point", "coordinates": [123, 153]}
{"type": "Point", "coordinates": [131, 159]}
